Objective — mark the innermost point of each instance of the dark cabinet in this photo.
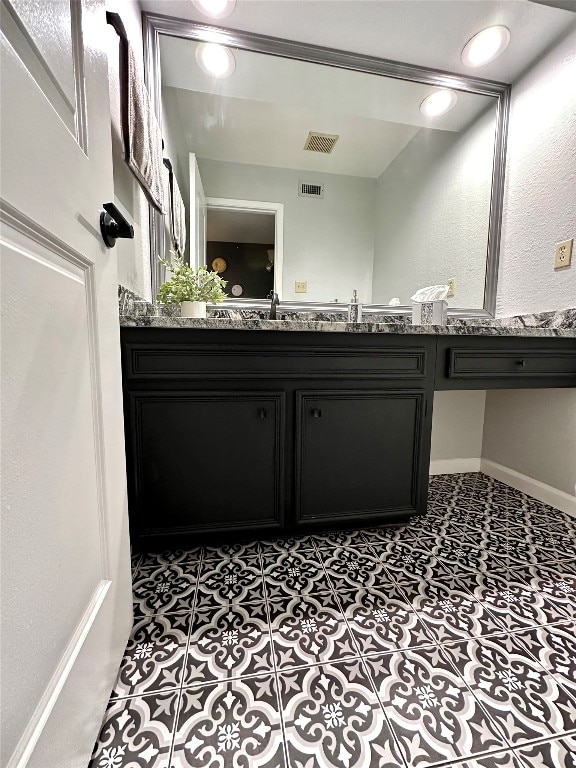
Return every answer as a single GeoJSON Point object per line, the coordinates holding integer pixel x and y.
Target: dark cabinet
{"type": "Point", "coordinates": [493, 362]}
{"type": "Point", "coordinates": [248, 434]}
{"type": "Point", "coordinates": [358, 454]}
{"type": "Point", "coordinates": [207, 461]}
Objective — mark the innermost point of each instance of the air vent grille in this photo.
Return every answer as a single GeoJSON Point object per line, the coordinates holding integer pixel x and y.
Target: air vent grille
{"type": "Point", "coordinates": [320, 142]}
{"type": "Point", "coordinates": [308, 189]}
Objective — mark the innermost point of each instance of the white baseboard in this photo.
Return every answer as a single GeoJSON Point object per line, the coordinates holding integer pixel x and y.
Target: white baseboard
{"type": "Point", "coordinates": [454, 466]}
{"type": "Point", "coordinates": [561, 500]}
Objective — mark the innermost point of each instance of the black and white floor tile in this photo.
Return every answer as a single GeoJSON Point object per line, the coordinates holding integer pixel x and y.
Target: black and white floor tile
{"type": "Point", "coordinates": [307, 629]}
{"type": "Point", "coordinates": [447, 641]}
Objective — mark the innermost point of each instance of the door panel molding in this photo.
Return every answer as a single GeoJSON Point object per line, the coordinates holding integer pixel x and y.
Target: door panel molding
{"type": "Point", "coordinates": [72, 111]}
{"type": "Point", "coordinates": [13, 218]}
{"type": "Point", "coordinates": [33, 730]}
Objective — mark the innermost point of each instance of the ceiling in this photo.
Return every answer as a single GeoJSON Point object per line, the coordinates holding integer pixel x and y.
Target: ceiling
{"type": "Point", "coordinates": [259, 133]}
{"type": "Point", "coordinates": [262, 114]}
{"type": "Point", "coordinates": [429, 33]}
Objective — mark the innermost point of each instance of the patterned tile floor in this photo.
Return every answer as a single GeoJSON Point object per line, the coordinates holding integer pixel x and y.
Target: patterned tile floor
{"type": "Point", "coordinates": [447, 641]}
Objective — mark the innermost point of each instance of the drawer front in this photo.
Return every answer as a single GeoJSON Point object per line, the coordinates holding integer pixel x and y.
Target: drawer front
{"type": "Point", "coordinates": [188, 361]}
{"type": "Point", "coordinates": [468, 363]}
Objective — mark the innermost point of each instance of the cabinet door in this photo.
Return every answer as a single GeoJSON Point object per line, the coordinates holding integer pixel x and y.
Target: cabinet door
{"type": "Point", "coordinates": [206, 461]}
{"type": "Point", "coordinates": [358, 454]}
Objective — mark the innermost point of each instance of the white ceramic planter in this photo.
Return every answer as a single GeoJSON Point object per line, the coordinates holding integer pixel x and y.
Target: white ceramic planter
{"type": "Point", "coordinates": [193, 309]}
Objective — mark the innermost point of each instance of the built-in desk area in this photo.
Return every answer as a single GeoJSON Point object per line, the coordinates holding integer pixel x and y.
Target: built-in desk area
{"type": "Point", "coordinates": [254, 429]}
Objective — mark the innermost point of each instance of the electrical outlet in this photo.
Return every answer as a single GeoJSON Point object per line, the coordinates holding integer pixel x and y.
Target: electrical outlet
{"type": "Point", "coordinates": [563, 257]}
{"type": "Point", "coordinates": [300, 286]}
{"type": "Point", "coordinates": [451, 287]}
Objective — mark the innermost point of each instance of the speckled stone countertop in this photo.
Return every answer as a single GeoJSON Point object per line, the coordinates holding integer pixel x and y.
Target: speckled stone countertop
{"type": "Point", "coordinates": [136, 313]}
{"type": "Point", "coordinates": [339, 327]}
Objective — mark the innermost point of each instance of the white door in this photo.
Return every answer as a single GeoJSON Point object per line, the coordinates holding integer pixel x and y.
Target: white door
{"type": "Point", "coordinates": [66, 602]}
{"type": "Point", "coordinates": [197, 216]}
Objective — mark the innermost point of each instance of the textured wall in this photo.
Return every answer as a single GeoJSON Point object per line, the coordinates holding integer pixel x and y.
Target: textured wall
{"type": "Point", "coordinates": [328, 242]}
{"type": "Point", "coordinates": [534, 431]}
{"type": "Point", "coordinates": [133, 255]}
{"type": "Point", "coordinates": [540, 199]}
{"type": "Point", "coordinates": [432, 213]}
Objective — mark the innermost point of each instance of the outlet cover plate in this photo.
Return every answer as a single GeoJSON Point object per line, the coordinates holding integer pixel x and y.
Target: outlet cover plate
{"type": "Point", "coordinates": [300, 286]}
{"type": "Point", "coordinates": [563, 254]}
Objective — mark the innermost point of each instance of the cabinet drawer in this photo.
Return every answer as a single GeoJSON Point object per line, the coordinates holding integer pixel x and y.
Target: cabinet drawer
{"type": "Point", "coordinates": [189, 361]}
{"type": "Point", "coordinates": [469, 363]}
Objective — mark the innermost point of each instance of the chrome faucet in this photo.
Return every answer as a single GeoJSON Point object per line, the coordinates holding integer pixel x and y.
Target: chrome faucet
{"type": "Point", "coordinates": [274, 302]}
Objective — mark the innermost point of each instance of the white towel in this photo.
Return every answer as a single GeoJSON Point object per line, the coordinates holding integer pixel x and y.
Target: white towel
{"type": "Point", "coordinates": [143, 145]}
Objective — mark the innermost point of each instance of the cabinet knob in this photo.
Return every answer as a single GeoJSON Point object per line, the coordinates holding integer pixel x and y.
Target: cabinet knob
{"type": "Point", "coordinates": [317, 413]}
{"type": "Point", "coordinates": [263, 413]}
{"type": "Point", "coordinates": [521, 363]}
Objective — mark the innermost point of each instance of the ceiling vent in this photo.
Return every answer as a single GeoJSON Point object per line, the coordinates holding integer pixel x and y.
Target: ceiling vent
{"type": "Point", "coordinates": [307, 189]}
{"type": "Point", "coordinates": [320, 142]}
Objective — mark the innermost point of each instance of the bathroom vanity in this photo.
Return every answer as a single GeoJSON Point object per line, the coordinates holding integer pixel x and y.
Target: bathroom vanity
{"type": "Point", "coordinates": [258, 428]}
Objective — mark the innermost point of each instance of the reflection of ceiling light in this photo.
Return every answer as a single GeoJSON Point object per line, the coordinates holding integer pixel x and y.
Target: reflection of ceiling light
{"type": "Point", "coordinates": [438, 103]}
{"type": "Point", "coordinates": [215, 59]}
{"type": "Point", "coordinates": [217, 9]}
{"type": "Point", "coordinates": [485, 46]}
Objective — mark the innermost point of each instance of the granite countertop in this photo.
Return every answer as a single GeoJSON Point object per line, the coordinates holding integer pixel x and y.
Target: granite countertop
{"type": "Point", "coordinates": [137, 313]}
{"type": "Point", "coordinates": [461, 329]}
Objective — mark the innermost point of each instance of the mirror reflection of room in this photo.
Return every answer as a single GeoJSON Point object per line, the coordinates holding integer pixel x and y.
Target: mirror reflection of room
{"type": "Point", "coordinates": [383, 189]}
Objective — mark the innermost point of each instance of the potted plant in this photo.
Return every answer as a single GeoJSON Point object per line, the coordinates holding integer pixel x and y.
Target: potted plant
{"type": "Point", "coordinates": [190, 288]}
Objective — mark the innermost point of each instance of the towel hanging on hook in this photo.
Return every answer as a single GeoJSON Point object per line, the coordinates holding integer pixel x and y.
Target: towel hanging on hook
{"type": "Point", "coordinates": [142, 138]}
{"type": "Point", "coordinates": [177, 211]}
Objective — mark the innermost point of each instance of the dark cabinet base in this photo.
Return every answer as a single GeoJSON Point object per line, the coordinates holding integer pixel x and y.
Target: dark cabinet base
{"type": "Point", "coordinates": [206, 461]}
{"type": "Point", "coordinates": [250, 434]}
{"type": "Point", "coordinates": [356, 454]}
{"type": "Point", "coordinates": [239, 434]}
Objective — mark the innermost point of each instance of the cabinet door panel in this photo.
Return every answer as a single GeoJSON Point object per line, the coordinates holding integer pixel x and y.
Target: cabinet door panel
{"type": "Point", "coordinates": [207, 461]}
{"type": "Point", "coordinates": [357, 454]}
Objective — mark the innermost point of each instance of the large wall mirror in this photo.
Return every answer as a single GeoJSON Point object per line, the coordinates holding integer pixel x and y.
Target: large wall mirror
{"type": "Point", "coordinates": [316, 173]}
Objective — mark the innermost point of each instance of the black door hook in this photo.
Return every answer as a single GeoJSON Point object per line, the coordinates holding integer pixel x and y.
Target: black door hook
{"type": "Point", "coordinates": [113, 225]}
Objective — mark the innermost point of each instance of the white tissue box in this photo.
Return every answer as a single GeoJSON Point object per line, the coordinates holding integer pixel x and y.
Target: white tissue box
{"type": "Point", "coordinates": [430, 312]}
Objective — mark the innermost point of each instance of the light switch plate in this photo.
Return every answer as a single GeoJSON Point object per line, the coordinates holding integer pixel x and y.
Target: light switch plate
{"type": "Point", "coordinates": [300, 286]}
{"type": "Point", "coordinates": [563, 257]}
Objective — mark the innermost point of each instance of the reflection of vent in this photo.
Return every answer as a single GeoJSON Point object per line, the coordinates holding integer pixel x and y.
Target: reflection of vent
{"type": "Point", "coordinates": [305, 189]}
{"type": "Point", "coordinates": [320, 142]}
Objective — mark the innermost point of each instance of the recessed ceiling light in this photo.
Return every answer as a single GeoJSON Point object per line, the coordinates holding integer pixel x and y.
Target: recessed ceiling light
{"type": "Point", "coordinates": [215, 59]}
{"type": "Point", "coordinates": [217, 9]}
{"type": "Point", "coordinates": [438, 103]}
{"type": "Point", "coordinates": [485, 46]}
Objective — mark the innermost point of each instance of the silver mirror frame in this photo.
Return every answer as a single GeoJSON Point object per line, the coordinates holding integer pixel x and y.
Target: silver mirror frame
{"type": "Point", "coordinates": [156, 25]}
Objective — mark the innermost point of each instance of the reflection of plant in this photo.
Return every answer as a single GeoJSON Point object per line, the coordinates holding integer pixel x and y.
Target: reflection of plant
{"type": "Point", "coordinates": [188, 284]}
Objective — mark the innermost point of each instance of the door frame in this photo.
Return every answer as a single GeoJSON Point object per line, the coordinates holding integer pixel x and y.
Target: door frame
{"type": "Point", "coordinates": [257, 206]}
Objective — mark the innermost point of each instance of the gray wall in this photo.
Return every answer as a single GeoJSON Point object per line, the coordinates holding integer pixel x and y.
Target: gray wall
{"type": "Point", "coordinates": [328, 242]}
{"type": "Point", "coordinates": [432, 212]}
{"type": "Point", "coordinates": [457, 425]}
{"type": "Point", "coordinates": [534, 432]}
